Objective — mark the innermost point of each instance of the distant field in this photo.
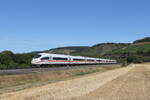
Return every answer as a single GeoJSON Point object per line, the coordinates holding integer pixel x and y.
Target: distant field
{"type": "Point", "coordinates": [10, 83]}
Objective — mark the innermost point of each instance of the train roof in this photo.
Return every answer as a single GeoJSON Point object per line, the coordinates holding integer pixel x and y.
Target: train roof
{"type": "Point", "coordinates": [54, 55]}
{"type": "Point", "coordinates": [62, 55]}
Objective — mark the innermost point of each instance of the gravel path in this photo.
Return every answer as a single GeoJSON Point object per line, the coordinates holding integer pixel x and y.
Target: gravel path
{"type": "Point", "coordinates": [31, 70]}
{"type": "Point", "coordinates": [70, 89]}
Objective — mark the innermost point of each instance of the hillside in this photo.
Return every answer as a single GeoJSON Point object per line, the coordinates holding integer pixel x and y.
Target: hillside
{"type": "Point", "coordinates": [96, 50]}
{"type": "Point", "coordinates": [147, 39]}
{"type": "Point", "coordinates": [68, 50]}
{"type": "Point", "coordinates": [138, 46]}
{"type": "Point", "coordinates": [138, 51]}
{"type": "Point", "coordinates": [102, 49]}
{"type": "Point", "coordinates": [134, 49]}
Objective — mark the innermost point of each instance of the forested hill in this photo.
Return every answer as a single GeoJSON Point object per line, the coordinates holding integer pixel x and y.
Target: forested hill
{"type": "Point", "coordinates": [142, 40]}
{"type": "Point", "coordinates": [68, 50]}
{"type": "Point", "coordinates": [103, 49]}
{"type": "Point", "coordinates": [138, 51]}
{"type": "Point", "coordinates": [95, 50]}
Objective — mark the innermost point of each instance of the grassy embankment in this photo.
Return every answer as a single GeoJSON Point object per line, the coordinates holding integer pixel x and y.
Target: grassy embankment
{"type": "Point", "coordinates": [10, 83]}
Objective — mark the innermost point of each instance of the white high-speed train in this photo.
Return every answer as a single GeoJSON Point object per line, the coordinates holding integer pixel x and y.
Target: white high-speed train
{"type": "Point", "coordinates": [59, 59]}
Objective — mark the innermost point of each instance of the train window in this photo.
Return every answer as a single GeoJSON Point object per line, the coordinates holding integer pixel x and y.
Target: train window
{"type": "Point", "coordinates": [90, 60]}
{"type": "Point", "coordinates": [78, 60]}
{"type": "Point", "coordinates": [45, 58]}
{"type": "Point", "coordinates": [37, 56]}
{"type": "Point", "coordinates": [58, 58]}
{"type": "Point", "coordinates": [99, 60]}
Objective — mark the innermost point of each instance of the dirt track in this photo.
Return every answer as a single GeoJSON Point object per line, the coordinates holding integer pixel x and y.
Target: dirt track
{"type": "Point", "coordinates": [130, 83]}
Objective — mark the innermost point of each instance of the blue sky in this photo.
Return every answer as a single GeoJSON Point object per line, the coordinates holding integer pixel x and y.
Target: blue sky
{"type": "Point", "coordinates": [32, 25]}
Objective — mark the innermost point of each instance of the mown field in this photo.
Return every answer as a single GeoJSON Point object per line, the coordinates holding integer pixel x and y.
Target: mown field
{"type": "Point", "coordinates": [127, 83]}
{"type": "Point", "coordinates": [10, 83]}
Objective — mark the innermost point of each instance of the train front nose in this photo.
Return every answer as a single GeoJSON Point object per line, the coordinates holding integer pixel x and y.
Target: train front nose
{"type": "Point", "coordinates": [34, 61]}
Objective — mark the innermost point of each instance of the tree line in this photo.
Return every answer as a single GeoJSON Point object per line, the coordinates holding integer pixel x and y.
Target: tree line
{"type": "Point", "coordinates": [9, 60]}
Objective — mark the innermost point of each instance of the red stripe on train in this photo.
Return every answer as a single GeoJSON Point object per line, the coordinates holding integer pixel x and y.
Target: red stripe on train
{"type": "Point", "coordinates": [59, 61]}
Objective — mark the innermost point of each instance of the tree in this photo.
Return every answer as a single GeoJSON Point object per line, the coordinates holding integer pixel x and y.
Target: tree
{"type": "Point", "coordinates": [134, 59]}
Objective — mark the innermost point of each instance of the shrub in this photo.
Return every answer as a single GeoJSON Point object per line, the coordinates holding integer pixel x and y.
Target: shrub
{"type": "Point", "coordinates": [134, 59]}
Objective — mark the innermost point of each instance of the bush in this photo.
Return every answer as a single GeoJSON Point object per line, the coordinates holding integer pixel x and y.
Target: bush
{"type": "Point", "coordinates": [134, 59]}
{"type": "Point", "coordinates": [8, 60]}
{"type": "Point", "coordinates": [124, 63]}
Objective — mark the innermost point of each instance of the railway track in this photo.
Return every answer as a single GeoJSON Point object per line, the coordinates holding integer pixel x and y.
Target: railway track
{"type": "Point", "coordinates": [44, 69]}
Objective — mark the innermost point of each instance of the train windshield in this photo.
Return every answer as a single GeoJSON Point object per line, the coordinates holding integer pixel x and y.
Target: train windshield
{"type": "Point", "coordinates": [37, 56]}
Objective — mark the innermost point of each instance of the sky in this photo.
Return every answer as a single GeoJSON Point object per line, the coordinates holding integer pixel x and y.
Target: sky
{"type": "Point", "coordinates": [33, 25]}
